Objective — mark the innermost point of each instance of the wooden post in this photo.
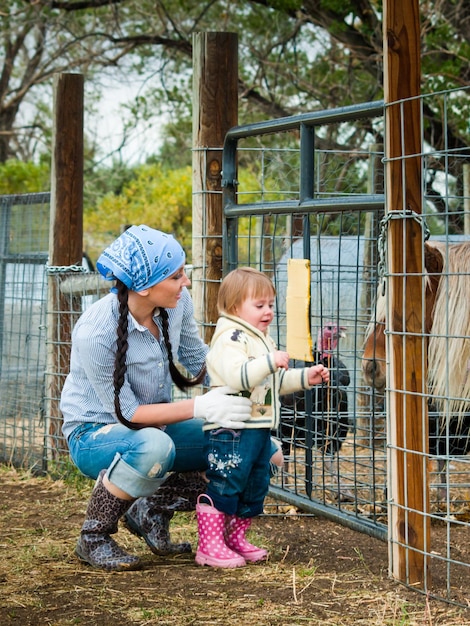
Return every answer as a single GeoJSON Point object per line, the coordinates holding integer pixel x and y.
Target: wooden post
{"type": "Point", "coordinates": [466, 197]}
{"type": "Point", "coordinates": [409, 521]}
{"type": "Point", "coordinates": [367, 423]}
{"type": "Point", "coordinates": [65, 236]}
{"type": "Point", "coordinates": [215, 111]}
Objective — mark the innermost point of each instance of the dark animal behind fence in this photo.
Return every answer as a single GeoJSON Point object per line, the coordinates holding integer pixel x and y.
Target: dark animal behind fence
{"type": "Point", "coordinates": [328, 424]}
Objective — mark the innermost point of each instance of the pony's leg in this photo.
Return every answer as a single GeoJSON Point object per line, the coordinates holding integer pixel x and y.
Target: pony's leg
{"type": "Point", "coordinates": [442, 487]}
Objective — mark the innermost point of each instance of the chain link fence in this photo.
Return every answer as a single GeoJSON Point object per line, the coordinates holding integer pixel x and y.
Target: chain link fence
{"type": "Point", "coordinates": [338, 453]}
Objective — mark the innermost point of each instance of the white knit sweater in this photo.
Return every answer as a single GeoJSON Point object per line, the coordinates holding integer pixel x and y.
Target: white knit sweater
{"type": "Point", "coordinates": [242, 356]}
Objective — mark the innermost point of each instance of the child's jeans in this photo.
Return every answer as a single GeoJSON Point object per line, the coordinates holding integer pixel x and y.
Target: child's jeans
{"type": "Point", "coordinates": [238, 470]}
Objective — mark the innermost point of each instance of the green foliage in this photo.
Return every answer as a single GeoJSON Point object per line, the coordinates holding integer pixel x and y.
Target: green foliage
{"type": "Point", "coordinates": [24, 177]}
{"type": "Point", "coordinates": [65, 470]}
{"type": "Point", "coordinates": [176, 150]}
{"type": "Point", "coordinates": [157, 197]}
{"type": "Point", "coordinates": [104, 180]}
{"type": "Point", "coordinates": [285, 5]}
{"type": "Point", "coordinates": [314, 55]}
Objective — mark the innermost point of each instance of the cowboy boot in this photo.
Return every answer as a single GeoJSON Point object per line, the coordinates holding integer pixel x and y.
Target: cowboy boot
{"type": "Point", "coordinates": [94, 545]}
{"type": "Point", "coordinates": [235, 529]}
{"type": "Point", "coordinates": [150, 517]}
{"type": "Point", "coordinates": [142, 520]}
{"type": "Point", "coordinates": [211, 549]}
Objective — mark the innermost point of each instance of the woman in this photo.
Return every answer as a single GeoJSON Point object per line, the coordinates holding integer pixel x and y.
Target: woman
{"type": "Point", "coordinates": [120, 423]}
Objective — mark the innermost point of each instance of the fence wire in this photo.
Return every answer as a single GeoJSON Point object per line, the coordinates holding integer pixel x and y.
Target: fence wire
{"type": "Point", "coordinates": [336, 445]}
{"type": "Point", "coordinates": [23, 253]}
{"type": "Point", "coordinates": [341, 467]}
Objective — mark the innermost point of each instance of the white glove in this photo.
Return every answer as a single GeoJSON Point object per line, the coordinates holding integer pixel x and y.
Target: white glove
{"type": "Point", "coordinates": [219, 407]}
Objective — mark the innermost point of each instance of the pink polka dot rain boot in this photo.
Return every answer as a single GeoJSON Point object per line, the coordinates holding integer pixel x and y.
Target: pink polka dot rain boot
{"type": "Point", "coordinates": [235, 529]}
{"type": "Point", "coordinates": [211, 549]}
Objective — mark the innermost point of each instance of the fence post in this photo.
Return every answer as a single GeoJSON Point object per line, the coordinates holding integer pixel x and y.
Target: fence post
{"type": "Point", "coordinates": [65, 238]}
{"type": "Point", "coordinates": [466, 197]}
{"type": "Point", "coordinates": [215, 111]}
{"type": "Point", "coordinates": [368, 425]}
{"type": "Point", "coordinates": [409, 521]}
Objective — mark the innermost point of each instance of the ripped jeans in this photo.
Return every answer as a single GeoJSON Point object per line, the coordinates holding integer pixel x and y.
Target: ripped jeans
{"type": "Point", "coordinates": [239, 469]}
{"type": "Point", "coordinates": [137, 460]}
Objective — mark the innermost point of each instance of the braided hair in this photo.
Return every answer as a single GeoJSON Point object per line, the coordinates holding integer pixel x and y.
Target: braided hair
{"type": "Point", "coordinates": [120, 367]}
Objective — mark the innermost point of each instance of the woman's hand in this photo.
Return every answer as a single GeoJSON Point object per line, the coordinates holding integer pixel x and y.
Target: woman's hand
{"type": "Point", "coordinates": [223, 406]}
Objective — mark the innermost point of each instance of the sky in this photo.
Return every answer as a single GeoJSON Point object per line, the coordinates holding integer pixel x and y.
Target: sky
{"type": "Point", "coordinates": [106, 125]}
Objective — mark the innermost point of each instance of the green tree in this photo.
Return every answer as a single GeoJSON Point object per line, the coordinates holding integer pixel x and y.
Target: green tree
{"type": "Point", "coordinates": [161, 198]}
{"type": "Point", "coordinates": [157, 197]}
{"type": "Point", "coordinates": [19, 177]}
{"type": "Point", "coordinates": [315, 54]}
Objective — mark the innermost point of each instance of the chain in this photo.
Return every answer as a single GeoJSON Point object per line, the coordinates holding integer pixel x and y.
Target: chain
{"type": "Point", "coordinates": [60, 269]}
{"type": "Point", "coordinates": [382, 240]}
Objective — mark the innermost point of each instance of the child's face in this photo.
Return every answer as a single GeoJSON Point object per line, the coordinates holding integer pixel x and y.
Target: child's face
{"type": "Point", "coordinates": [257, 311]}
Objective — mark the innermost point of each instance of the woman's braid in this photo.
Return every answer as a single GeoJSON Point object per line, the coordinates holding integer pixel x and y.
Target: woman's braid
{"type": "Point", "coordinates": [120, 361]}
{"type": "Point", "coordinates": [177, 377]}
{"type": "Point", "coordinates": [120, 366]}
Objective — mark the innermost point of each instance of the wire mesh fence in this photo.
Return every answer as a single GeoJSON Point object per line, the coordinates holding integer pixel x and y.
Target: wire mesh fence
{"type": "Point", "coordinates": [336, 440]}
{"type": "Point", "coordinates": [338, 447]}
{"type": "Point", "coordinates": [23, 253]}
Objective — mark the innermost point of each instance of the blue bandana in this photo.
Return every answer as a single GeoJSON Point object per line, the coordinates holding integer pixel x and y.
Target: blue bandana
{"type": "Point", "coordinates": [141, 258]}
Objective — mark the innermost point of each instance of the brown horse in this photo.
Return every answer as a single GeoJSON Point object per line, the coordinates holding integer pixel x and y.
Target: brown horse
{"type": "Point", "coordinates": [447, 335]}
{"type": "Point", "coordinates": [374, 358]}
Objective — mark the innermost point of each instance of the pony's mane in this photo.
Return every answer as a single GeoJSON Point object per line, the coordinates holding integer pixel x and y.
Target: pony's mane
{"type": "Point", "coordinates": [449, 338]}
{"type": "Point", "coordinates": [379, 308]}
{"type": "Point", "coordinates": [379, 311]}
{"type": "Point", "coordinates": [449, 344]}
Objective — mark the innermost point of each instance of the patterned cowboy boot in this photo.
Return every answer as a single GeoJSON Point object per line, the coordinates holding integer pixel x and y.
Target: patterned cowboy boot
{"type": "Point", "coordinates": [211, 549]}
{"type": "Point", "coordinates": [154, 528]}
{"type": "Point", "coordinates": [95, 546]}
{"type": "Point", "coordinates": [235, 529]}
{"type": "Point", "coordinates": [150, 517]}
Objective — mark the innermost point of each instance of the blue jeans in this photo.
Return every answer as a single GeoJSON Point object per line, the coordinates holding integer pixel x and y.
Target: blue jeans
{"type": "Point", "coordinates": [137, 460]}
{"type": "Point", "coordinates": [238, 470]}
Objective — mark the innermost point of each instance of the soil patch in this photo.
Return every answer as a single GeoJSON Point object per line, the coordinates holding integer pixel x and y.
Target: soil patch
{"type": "Point", "coordinates": [318, 573]}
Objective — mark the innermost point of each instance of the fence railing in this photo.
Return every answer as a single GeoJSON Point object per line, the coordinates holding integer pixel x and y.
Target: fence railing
{"type": "Point", "coordinates": [338, 449]}
{"type": "Point", "coordinates": [24, 223]}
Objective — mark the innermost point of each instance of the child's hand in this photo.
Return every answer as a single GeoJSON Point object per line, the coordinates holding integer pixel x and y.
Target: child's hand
{"type": "Point", "coordinates": [281, 359]}
{"type": "Point", "coordinates": [318, 374]}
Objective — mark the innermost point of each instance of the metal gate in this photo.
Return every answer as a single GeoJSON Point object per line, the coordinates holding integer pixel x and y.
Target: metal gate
{"type": "Point", "coordinates": [288, 194]}
{"type": "Point", "coordinates": [24, 231]}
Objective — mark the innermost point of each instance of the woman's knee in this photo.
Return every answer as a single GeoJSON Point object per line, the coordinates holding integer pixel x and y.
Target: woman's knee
{"type": "Point", "coordinates": [188, 439]}
{"type": "Point", "coordinates": [152, 452]}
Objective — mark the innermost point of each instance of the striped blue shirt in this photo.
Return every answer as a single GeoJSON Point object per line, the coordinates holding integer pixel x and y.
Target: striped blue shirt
{"type": "Point", "coordinates": [88, 392]}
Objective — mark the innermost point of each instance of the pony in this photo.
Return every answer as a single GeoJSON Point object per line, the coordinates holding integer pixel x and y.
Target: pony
{"type": "Point", "coordinates": [373, 357]}
{"type": "Point", "coordinates": [447, 337]}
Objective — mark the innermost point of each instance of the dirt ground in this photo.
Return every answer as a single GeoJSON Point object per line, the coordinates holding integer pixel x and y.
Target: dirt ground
{"type": "Point", "coordinates": [317, 573]}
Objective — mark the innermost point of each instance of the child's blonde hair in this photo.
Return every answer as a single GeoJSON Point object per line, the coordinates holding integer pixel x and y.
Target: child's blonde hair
{"type": "Point", "coordinates": [240, 284]}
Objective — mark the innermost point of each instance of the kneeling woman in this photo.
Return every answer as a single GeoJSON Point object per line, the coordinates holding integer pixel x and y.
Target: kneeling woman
{"type": "Point", "coordinates": [120, 422]}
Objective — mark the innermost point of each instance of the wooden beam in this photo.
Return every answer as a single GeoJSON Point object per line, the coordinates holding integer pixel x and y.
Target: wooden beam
{"type": "Point", "coordinates": [408, 434]}
{"type": "Point", "coordinates": [65, 239]}
{"type": "Point", "coordinates": [215, 111]}
{"type": "Point", "coordinates": [66, 231]}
